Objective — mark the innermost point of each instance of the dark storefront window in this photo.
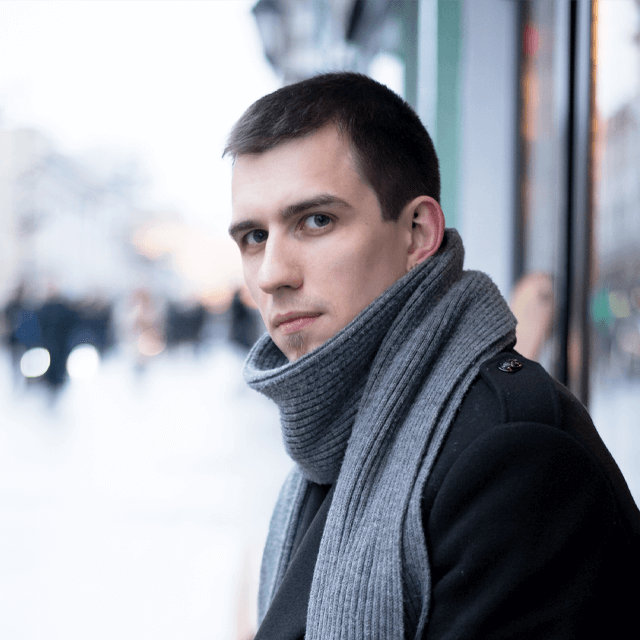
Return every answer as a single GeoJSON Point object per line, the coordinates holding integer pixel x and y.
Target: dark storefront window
{"type": "Point", "coordinates": [548, 133]}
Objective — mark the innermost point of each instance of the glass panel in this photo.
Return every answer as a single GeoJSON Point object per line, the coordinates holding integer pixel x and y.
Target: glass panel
{"type": "Point", "coordinates": [615, 295]}
{"type": "Point", "coordinates": [543, 98]}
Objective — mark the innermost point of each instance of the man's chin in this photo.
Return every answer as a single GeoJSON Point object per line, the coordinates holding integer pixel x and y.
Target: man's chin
{"type": "Point", "coordinates": [294, 346]}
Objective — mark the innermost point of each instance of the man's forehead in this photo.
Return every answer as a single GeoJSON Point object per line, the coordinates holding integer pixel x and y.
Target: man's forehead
{"type": "Point", "coordinates": [298, 169]}
{"type": "Point", "coordinates": [326, 142]}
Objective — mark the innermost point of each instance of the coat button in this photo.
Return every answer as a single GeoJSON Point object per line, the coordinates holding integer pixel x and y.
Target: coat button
{"type": "Point", "coordinates": [510, 365]}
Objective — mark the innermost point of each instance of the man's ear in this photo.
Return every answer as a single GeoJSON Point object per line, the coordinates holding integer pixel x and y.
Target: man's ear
{"type": "Point", "coordinates": [427, 228]}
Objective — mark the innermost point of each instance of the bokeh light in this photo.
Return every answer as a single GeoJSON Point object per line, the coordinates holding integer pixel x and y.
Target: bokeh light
{"type": "Point", "coordinates": [83, 362]}
{"type": "Point", "coordinates": [35, 362]}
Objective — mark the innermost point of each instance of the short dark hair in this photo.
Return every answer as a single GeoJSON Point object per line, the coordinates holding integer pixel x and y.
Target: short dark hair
{"type": "Point", "coordinates": [392, 149]}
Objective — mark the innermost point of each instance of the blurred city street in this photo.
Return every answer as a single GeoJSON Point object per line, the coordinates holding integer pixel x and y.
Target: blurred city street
{"type": "Point", "coordinates": [133, 505]}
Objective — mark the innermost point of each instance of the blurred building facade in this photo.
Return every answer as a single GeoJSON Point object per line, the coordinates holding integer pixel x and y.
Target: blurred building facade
{"type": "Point", "coordinates": [616, 278]}
{"type": "Point", "coordinates": [304, 38]}
{"type": "Point", "coordinates": [63, 225]}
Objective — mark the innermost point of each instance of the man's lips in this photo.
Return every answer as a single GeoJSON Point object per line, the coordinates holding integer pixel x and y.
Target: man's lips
{"type": "Point", "coordinates": [291, 322]}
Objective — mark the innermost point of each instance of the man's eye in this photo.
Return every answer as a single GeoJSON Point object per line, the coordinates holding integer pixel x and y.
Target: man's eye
{"type": "Point", "coordinates": [316, 221]}
{"type": "Point", "coordinates": [256, 236]}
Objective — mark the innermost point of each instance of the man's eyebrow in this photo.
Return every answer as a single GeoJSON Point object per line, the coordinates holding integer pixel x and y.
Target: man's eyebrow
{"type": "Point", "coordinates": [239, 227]}
{"type": "Point", "coordinates": [323, 200]}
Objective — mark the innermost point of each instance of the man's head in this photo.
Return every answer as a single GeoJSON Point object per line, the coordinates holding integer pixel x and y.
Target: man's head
{"type": "Point", "coordinates": [392, 150]}
{"type": "Point", "coordinates": [322, 227]}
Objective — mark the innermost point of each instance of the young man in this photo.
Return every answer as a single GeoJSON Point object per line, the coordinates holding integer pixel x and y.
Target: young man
{"type": "Point", "coordinates": [444, 486]}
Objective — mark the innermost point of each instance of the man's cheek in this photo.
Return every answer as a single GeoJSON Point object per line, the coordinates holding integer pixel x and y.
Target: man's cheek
{"type": "Point", "coordinates": [345, 266]}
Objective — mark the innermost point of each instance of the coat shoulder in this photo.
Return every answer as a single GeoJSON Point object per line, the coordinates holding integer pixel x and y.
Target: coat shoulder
{"type": "Point", "coordinates": [509, 389]}
{"type": "Point", "coordinates": [529, 524]}
{"type": "Point", "coordinates": [513, 391]}
{"type": "Point", "coordinates": [522, 390]}
{"type": "Point", "coordinates": [525, 392]}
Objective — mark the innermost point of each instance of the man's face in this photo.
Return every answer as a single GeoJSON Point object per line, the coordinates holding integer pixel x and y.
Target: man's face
{"type": "Point", "coordinates": [315, 248]}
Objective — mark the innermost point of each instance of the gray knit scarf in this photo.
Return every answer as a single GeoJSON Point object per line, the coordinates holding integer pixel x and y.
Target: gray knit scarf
{"type": "Point", "coordinates": [368, 410]}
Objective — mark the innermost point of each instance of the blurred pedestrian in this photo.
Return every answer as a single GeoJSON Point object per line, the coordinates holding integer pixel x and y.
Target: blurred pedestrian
{"type": "Point", "coordinates": [22, 329]}
{"type": "Point", "coordinates": [58, 320]}
{"type": "Point", "coordinates": [533, 306]}
{"type": "Point", "coordinates": [243, 329]}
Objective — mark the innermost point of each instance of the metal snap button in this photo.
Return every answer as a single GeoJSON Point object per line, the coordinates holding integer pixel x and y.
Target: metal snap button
{"type": "Point", "coordinates": [510, 365]}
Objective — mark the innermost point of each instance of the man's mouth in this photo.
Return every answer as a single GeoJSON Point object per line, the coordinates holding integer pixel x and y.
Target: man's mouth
{"type": "Point", "coordinates": [292, 322]}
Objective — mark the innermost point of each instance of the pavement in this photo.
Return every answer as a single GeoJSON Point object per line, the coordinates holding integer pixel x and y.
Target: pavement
{"type": "Point", "coordinates": [137, 504]}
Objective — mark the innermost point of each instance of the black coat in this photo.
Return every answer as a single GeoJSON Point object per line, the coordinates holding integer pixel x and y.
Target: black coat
{"type": "Point", "coordinates": [531, 531]}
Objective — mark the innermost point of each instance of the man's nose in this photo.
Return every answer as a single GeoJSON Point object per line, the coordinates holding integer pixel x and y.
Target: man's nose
{"type": "Point", "coordinates": [280, 266]}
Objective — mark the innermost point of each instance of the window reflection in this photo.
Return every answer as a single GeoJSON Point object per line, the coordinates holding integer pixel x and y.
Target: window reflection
{"type": "Point", "coordinates": [615, 294]}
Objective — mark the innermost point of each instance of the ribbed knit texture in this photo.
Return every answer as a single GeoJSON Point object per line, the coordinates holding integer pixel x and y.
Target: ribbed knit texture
{"type": "Point", "coordinates": [369, 410]}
